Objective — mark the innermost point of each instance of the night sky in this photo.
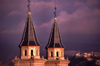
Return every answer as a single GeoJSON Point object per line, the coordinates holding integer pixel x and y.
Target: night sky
{"type": "Point", "coordinates": [78, 20]}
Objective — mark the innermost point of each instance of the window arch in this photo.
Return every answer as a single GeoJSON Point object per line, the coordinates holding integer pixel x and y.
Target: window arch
{"type": "Point", "coordinates": [57, 54]}
{"type": "Point", "coordinates": [25, 52]}
{"type": "Point", "coordinates": [31, 52]}
{"type": "Point", "coordinates": [51, 54]}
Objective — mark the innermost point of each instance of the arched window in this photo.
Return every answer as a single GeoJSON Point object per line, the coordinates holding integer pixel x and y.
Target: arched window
{"type": "Point", "coordinates": [31, 52]}
{"type": "Point", "coordinates": [25, 52]}
{"type": "Point", "coordinates": [57, 54]}
{"type": "Point", "coordinates": [51, 54]}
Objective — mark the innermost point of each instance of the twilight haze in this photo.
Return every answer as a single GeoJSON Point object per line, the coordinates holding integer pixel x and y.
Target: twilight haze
{"type": "Point", "coordinates": [78, 20]}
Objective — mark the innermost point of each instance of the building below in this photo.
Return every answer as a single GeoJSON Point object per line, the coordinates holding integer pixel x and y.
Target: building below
{"type": "Point", "coordinates": [39, 62]}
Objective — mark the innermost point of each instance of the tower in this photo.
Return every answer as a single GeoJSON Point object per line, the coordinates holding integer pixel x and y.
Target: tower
{"type": "Point", "coordinates": [55, 47]}
{"type": "Point", "coordinates": [29, 46]}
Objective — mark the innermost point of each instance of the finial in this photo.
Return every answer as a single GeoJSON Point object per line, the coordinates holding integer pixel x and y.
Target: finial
{"type": "Point", "coordinates": [55, 10]}
{"type": "Point", "coordinates": [67, 58]}
{"type": "Point", "coordinates": [15, 57]}
{"type": "Point", "coordinates": [42, 57]}
{"type": "Point", "coordinates": [29, 6]}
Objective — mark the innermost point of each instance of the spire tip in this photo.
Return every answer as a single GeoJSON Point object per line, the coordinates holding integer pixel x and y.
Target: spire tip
{"type": "Point", "coordinates": [55, 10]}
{"type": "Point", "coordinates": [29, 12]}
{"type": "Point", "coordinates": [28, 6]}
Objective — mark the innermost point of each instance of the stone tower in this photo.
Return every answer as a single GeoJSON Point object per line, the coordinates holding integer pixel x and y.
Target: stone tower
{"type": "Point", "coordinates": [29, 46]}
{"type": "Point", "coordinates": [55, 47]}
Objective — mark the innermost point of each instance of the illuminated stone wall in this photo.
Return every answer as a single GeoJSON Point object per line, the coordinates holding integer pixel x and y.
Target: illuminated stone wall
{"type": "Point", "coordinates": [55, 50]}
{"type": "Point", "coordinates": [35, 49]}
{"type": "Point", "coordinates": [30, 62]}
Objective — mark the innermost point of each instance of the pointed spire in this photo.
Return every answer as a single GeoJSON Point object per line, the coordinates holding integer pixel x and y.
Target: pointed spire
{"type": "Point", "coordinates": [29, 37]}
{"type": "Point", "coordinates": [55, 38]}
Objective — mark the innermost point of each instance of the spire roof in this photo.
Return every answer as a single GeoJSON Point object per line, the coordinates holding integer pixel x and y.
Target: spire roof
{"type": "Point", "coordinates": [29, 37]}
{"type": "Point", "coordinates": [55, 38]}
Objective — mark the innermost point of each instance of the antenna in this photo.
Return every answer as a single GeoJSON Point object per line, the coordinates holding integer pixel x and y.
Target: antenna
{"type": "Point", "coordinates": [55, 10]}
{"type": "Point", "coordinates": [28, 6]}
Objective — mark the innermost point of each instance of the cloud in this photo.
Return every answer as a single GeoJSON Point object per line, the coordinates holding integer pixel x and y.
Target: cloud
{"type": "Point", "coordinates": [76, 3]}
{"type": "Point", "coordinates": [82, 21]}
{"type": "Point", "coordinates": [42, 11]}
{"type": "Point", "coordinates": [41, 5]}
{"type": "Point", "coordinates": [93, 2]}
{"type": "Point", "coordinates": [44, 28]}
{"type": "Point", "coordinates": [71, 52]}
{"type": "Point", "coordinates": [16, 29]}
{"type": "Point", "coordinates": [15, 13]}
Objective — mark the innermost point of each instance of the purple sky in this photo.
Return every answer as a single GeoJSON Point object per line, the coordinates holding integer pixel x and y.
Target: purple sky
{"type": "Point", "coordinates": [78, 20]}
